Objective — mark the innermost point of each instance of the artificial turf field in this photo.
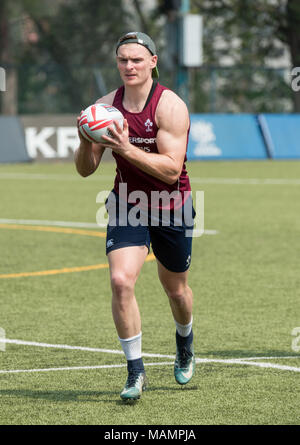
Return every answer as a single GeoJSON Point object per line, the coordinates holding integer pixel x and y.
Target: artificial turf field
{"type": "Point", "coordinates": [246, 283]}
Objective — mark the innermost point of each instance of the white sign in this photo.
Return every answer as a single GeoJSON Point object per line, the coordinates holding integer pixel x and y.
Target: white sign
{"type": "Point", "coordinates": [191, 41]}
{"type": "Point", "coordinates": [2, 79]}
{"type": "Point", "coordinates": [37, 141]}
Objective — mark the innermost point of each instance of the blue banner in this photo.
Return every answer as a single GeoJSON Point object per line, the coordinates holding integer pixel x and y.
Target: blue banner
{"type": "Point", "coordinates": [225, 136]}
{"type": "Point", "coordinates": [282, 135]}
{"type": "Point", "coordinates": [12, 143]}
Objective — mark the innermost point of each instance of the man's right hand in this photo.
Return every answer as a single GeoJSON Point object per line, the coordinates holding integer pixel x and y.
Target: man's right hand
{"type": "Point", "coordinates": [88, 155]}
{"type": "Point", "coordinates": [83, 141]}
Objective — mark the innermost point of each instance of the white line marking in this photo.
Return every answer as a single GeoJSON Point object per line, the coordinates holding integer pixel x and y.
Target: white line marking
{"type": "Point", "coordinates": [48, 345]}
{"type": "Point", "coordinates": [196, 180]}
{"type": "Point", "coordinates": [78, 348]}
{"type": "Point", "coordinates": [198, 360]}
{"type": "Point", "coordinates": [246, 181]}
{"type": "Point", "coordinates": [77, 368]}
{"type": "Point", "coordinates": [240, 361]}
{"type": "Point", "coordinates": [250, 363]}
{"type": "Point", "coordinates": [85, 225]}
{"type": "Point", "coordinates": [43, 222]}
{"type": "Point", "coordinates": [53, 177]}
{"type": "Point", "coordinates": [268, 358]}
{"type": "Point", "coordinates": [270, 365]}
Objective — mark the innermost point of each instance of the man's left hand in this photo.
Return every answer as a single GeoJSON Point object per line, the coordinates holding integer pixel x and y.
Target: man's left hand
{"type": "Point", "coordinates": [119, 142]}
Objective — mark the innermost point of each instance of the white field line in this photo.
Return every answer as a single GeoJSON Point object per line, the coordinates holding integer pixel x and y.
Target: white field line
{"type": "Point", "coordinates": [77, 368]}
{"type": "Point", "coordinates": [231, 181]}
{"type": "Point", "coordinates": [246, 181]}
{"type": "Point", "coordinates": [78, 348]}
{"type": "Point", "coordinates": [268, 358]}
{"type": "Point", "coordinates": [53, 177]}
{"type": "Point", "coordinates": [251, 363]}
{"type": "Point", "coordinates": [241, 361]}
{"type": "Point", "coordinates": [44, 222]}
{"type": "Point", "coordinates": [86, 225]}
{"type": "Point", "coordinates": [222, 361]}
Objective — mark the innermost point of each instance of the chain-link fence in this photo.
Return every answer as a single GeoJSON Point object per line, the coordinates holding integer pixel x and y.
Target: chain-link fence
{"type": "Point", "coordinates": [239, 89]}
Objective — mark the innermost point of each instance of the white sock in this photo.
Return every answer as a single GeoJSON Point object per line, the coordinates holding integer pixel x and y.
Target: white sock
{"type": "Point", "coordinates": [184, 330]}
{"type": "Point", "coordinates": [132, 346]}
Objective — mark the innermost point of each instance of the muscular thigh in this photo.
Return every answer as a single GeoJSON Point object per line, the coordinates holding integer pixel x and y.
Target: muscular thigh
{"type": "Point", "coordinates": [172, 243]}
{"type": "Point", "coordinates": [173, 282]}
{"type": "Point", "coordinates": [125, 263]}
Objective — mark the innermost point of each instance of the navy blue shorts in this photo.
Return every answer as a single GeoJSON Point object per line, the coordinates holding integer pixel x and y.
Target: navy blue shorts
{"type": "Point", "coordinates": [169, 236]}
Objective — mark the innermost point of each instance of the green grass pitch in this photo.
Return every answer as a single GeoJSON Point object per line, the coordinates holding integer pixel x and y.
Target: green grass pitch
{"type": "Point", "coordinates": [245, 281]}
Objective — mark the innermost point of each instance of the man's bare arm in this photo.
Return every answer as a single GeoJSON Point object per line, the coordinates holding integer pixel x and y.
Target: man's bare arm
{"type": "Point", "coordinates": [88, 155]}
{"type": "Point", "coordinates": [173, 122]}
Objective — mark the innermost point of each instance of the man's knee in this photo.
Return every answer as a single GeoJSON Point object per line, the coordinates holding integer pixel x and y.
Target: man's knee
{"type": "Point", "coordinates": [178, 294]}
{"type": "Point", "coordinates": [122, 283]}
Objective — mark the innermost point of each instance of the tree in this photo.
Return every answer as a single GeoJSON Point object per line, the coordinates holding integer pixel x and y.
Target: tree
{"type": "Point", "coordinates": [56, 67]}
{"type": "Point", "coordinates": [76, 40]}
{"type": "Point", "coordinates": [8, 55]}
{"type": "Point", "coordinates": [79, 35]}
{"type": "Point", "coordinates": [288, 21]}
{"type": "Point", "coordinates": [252, 33]}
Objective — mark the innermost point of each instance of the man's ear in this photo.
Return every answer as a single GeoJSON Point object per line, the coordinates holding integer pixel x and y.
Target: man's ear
{"type": "Point", "coordinates": [153, 61]}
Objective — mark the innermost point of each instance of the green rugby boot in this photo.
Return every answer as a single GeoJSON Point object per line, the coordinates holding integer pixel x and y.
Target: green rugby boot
{"type": "Point", "coordinates": [136, 383]}
{"type": "Point", "coordinates": [184, 366]}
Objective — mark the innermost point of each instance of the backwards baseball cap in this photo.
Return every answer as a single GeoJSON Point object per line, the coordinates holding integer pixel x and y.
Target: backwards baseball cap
{"type": "Point", "coordinates": [142, 39]}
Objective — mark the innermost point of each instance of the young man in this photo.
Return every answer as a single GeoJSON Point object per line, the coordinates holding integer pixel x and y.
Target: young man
{"type": "Point", "coordinates": [150, 152]}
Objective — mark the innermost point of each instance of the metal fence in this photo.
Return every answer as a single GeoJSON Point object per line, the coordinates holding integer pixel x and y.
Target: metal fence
{"type": "Point", "coordinates": [240, 89]}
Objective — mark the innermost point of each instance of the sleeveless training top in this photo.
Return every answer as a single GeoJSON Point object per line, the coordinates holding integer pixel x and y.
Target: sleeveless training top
{"type": "Point", "coordinates": [142, 134]}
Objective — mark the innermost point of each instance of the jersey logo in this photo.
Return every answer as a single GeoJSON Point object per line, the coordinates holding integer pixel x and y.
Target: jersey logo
{"type": "Point", "coordinates": [148, 124]}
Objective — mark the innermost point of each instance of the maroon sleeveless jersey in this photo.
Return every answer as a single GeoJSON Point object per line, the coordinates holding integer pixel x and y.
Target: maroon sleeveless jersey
{"type": "Point", "coordinates": [142, 134]}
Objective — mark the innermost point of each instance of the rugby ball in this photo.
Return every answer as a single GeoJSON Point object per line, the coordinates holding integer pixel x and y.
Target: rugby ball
{"type": "Point", "coordinates": [95, 120]}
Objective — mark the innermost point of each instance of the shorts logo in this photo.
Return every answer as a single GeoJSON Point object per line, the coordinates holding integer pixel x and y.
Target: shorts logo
{"type": "Point", "coordinates": [148, 125]}
{"type": "Point", "coordinates": [110, 243]}
{"type": "Point", "coordinates": [188, 260]}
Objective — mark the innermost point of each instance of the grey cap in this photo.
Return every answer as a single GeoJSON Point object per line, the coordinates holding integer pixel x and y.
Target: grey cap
{"type": "Point", "coordinates": [142, 39]}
